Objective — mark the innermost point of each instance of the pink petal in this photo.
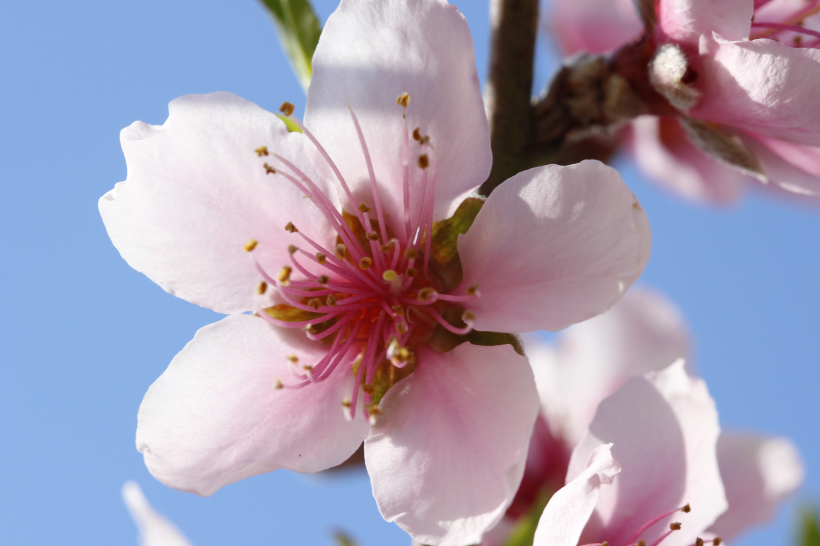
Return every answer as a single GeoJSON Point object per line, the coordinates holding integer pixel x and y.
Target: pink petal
{"type": "Point", "coordinates": [793, 167]}
{"type": "Point", "coordinates": [154, 528]}
{"type": "Point", "coordinates": [447, 454]}
{"type": "Point", "coordinates": [215, 417]}
{"type": "Point", "coordinates": [595, 26]}
{"type": "Point", "coordinates": [371, 53]}
{"type": "Point", "coordinates": [569, 509]}
{"type": "Point", "coordinates": [553, 246]}
{"type": "Point", "coordinates": [685, 20]}
{"type": "Point", "coordinates": [196, 193]}
{"type": "Point", "coordinates": [758, 473]}
{"type": "Point", "coordinates": [664, 153]}
{"type": "Point", "coordinates": [761, 86]}
{"type": "Point", "coordinates": [643, 332]}
{"type": "Point", "coordinates": [664, 428]}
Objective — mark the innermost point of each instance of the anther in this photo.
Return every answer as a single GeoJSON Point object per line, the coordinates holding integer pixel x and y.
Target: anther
{"type": "Point", "coordinates": [293, 358]}
{"type": "Point", "coordinates": [411, 253]}
{"type": "Point", "coordinates": [307, 368]}
{"type": "Point", "coordinates": [323, 280]}
{"type": "Point", "coordinates": [605, 543]}
{"type": "Point", "coordinates": [278, 384]}
{"type": "Point", "coordinates": [686, 508]}
{"type": "Point", "coordinates": [315, 303]}
{"type": "Point", "coordinates": [269, 169]}
{"type": "Point", "coordinates": [346, 402]}
{"type": "Point", "coordinates": [390, 276]}
{"type": "Point", "coordinates": [262, 288]}
{"type": "Point", "coordinates": [642, 542]}
{"type": "Point", "coordinates": [473, 290]}
{"type": "Point", "coordinates": [290, 228]}
{"type": "Point", "coordinates": [468, 317]}
{"type": "Point", "coordinates": [263, 150]}
{"type": "Point", "coordinates": [321, 258]}
{"type": "Point", "coordinates": [698, 541]}
{"type": "Point", "coordinates": [330, 300]}
{"type": "Point", "coordinates": [716, 541]}
{"type": "Point", "coordinates": [364, 208]}
{"type": "Point", "coordinates": [425, 294]}
{"type": "Point", "coordinates": [339, 251]}
{"type": "Point", "coordinates": [416, 134]}
{"type": "Point", "coordinates": [292, 249]}
{"type": "Point", "coordinates": [250, 245]}
{"type": "Point", "coordinates": [424, 161]}
{"type": "Point", "coordinates": [403, 100]}
{"type": "Point", "coordinates": [286, 108]}
{"type": "Point", "coordinates": [365, 263]}
{"type": "Point", "coordinates": [411, 272]}
{"type": "Point", "coordinates": [401, 327]}
{"type": "Point", "coordinates": [674, 526]}
{"type": "Point", "coordinates": [372, 236]}
{"type": "Point", "coordinates": [284, 275]}
{"type": "Point", "coordinates": [399, 310]}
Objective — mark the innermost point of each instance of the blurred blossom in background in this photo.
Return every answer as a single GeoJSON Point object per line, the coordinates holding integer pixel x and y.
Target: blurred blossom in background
{"type": "Point", "coordinates": [83, 335]}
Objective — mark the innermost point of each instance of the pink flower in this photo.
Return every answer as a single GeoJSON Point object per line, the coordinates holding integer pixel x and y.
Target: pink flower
{"type": "Point", "coordinates": [391, 357]}
{"type": "Point", "coordinates": [154, 528]}
{"type": "Point", "coordinates": [596, 26]}
{"type": "Point", "coordinates": [596, 358]}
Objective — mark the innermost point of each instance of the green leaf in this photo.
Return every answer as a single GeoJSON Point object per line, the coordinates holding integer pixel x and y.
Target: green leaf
{"type": "Point", "coordinates": [523, 533]}
{"type": "Point", "coordinates": [299, 31]}
{"type": "Point", "coordinates": [445, 264]}
{"type": "Point", "coordinates": [809, 528]}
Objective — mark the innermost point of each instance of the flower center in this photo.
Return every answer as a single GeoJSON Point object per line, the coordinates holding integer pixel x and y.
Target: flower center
{"type": "Point", "coordinates": [372, 293]}
{"type": "Point", "coordinates": [772, 21]}
{"type": "Point", "coordinates": [635, 539]}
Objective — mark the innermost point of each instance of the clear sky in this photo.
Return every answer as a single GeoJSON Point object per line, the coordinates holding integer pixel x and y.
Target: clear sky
{"type": "Point", "coordinates": [83, 336]}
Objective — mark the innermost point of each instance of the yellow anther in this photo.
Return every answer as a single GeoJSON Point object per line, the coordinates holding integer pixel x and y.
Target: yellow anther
{"type": "Point", "coordinates": [307, 367]}
{"type": "Point", "coordinates": [346, 402]}
{"type": "Point", "coordinates": [425, 294]}
{"type": "Point", "coordinates": [269, 169]}
{"type": "Point", "coordinates": [686, 508]}
{"type": "Point", "coordinates": [293, 358]}
{"type": "Point", "coordinates": [284, 275]}
{"type": "Point", "coordinates": [262, 288]}
{"type": "Point", "coordinates": [262, 150]}
{"type": "Point", "coordinates": [278, 384]}
{"type": "Point", "coordinates": [292, 249]}
{"type": "Point", "coordinates": [286, 108]}
{"type": "Point", "coordinates": [390, 275]}
{"type": "Point", "coordinates": [373, 409]}
{"type": "Point", "coordinates": [424, 161]}
{"type": "Point", "coordinates": [290, 228]}
{"type": "Point", "coordinates": [372, 236]}
{"type": "Point", "coordinates": [399, 310]}
{"type": "Point", "coordinates": [364, 208]}
{"type": "Point", "coordinates": [674, 526]}
{"type": "Point", "coordinates": [340, 251]}
{"type": "Point", "coordinates": [250, 245]}
{"type": "Point", "coordinates": [401, 327]}
{"type": "Point", "coordinates": [411, 272]}
{"type": "Point", "coordinates": [403, 100]}
{"type": "Point", "coordinates": [330, 300]}
{"type": "Point", "coordinates": [642, 542]}
{"type": "Point", "coordinates": [468, 317]}
{"type": "Point", "coordinates": [473, 290]}
{"type": "Point", "coordinates": [365, 263]}
{"type": "Point", "coordinates": [323, 279]}
{"type": "Point", "coordinates": [321, 258]}
{"type": "Point", "coordinates": [411, 253]}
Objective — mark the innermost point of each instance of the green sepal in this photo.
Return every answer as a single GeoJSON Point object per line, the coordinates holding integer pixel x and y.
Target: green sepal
{"type": "Point", "coordinates": [489, 339]}
{"type": "Point", "coordinates": [523, 533]}
{"type": "Point", "coordinates": [809, 533]}
{"type": "Point", "coordinates": [445, 265]}
{"type": "Point", "coordinates": [289, 123]}
{"type": "Point", "coordinates": [299, 30]}
{"type": "Point", "coordinates": [443, 340]}
{"type": "Point", "coordinates": [288, 313]}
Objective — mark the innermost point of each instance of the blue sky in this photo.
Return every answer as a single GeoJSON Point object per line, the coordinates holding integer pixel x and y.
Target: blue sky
{"type": "Point", "coordinates": [83, 336]}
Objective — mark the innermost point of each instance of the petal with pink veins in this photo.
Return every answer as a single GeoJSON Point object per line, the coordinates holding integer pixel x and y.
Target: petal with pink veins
{"type": "Point", "coordinates": [196, 193]}
{"type": "Point", "coordinates": [761, 86]}
{"type": "Point", "coordinates": [758, 473]}
{"type": "Point", "coordinates": [667, 156]}
{"type": "Point", "coordinates": [685, 20]}
{"type": "Point", "coordinates": [215, 415]}
{"type": "Point", "coordinates": [154, 528]}
{"type": "Point", "coordinates": [553, 246]}
{"type": "Point", "coordinates": [664, 428]}
{"type": "Point", "coordinates": [447, 452]}
{"type": "Point", "coordinates": [368, 55]}
{"type": "Point", "coordinates": [569, 509]}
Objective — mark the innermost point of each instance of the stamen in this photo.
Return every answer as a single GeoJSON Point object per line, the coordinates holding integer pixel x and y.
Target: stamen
{"type": "Point", "coordinates": [286, 108]}
{"type": "Point", "coordinates": [330, 300]}
{"type": "Point", "coordinates": [284, 275]}
{"type": "Point", "coordinates": [685, 508]}
{"type": "Point", "coordinates": [411, 272]}
{"type": "Point", "coordinates": [290, 228]}
{"type": "Point", "coordinates": [674, 526]}
{"type": "Point", "coordinates": [321, 258]}
{"type": "Point", "coordinates": [447, 325]}
{"type": "Point", "coordinates": [423, 161]}
{"type": "Point", "coordinates": [269, 169]}
{"type": "Point", "coordinates": [403, 100]}
{"type": "Point", "coordinates": [262, 150]}
{"type": "Point", "coordinates": [292, 249]}
{"type": "Point", "coordinates": [323, 279]}
{"type": "Point", "coordinates": [365, 263]}
{"type": "Point", "coordinates": [251, 245]}
{"type": "Point", "coordinates": [278, 384]}
{"type": "Point", "coordinates": [339, 251]}
{"type": "Point", "coordinates": [262, 288]}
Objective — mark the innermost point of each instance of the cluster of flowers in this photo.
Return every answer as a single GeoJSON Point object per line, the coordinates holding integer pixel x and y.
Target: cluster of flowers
{"type": "Point", "coordinates": [372, 297]}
